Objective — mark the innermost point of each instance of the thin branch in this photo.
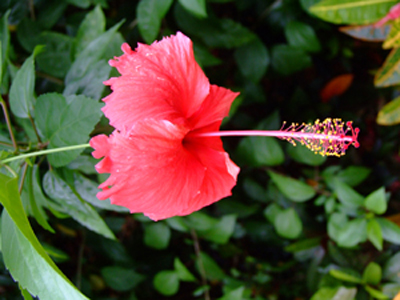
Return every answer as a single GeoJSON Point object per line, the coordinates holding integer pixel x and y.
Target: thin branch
{"type": "Point", "coordinates": [35, 129]}
{"type": "Point", "coordinates": [21, 184]}
{"type": "Point", "coordinates": [7, 117]}
{"type": "Point", "coordinates": [201, 265]}
{"type": "Point", "coordinates": [32, 10]}
{"type": "Point", "coordinates": [80, 260]}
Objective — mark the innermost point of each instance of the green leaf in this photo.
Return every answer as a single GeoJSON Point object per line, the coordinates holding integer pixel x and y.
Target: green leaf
{"type": "Point", "coordinates": [353, 175]}
{"type": "Point", "coordinates": [200, 221]}
{"type": "Point", "coordinates": [372, 273]}
{"type": "Point", "coordinates": [87, 190]}
{"type": "Point", "coordinates": [221, 231]}
{"type": "Point", "coordinates": [28, 33]}
{"type": "Point", "coordinates": [212, 270]}
{"type": "Point", "coordinates": [287, 60]}
{"type": "Point", "coordinates": [303, 155]}
{"type": "Point", "coordinates": [390, 113]}
{"type": "Point", "coordinates": [391, 269]}
{"type": "Point", "coordinates": [22, 99]}
{"type": "Point", "coordinates": [376, 293]}
{"type": "Point", "coordinates": [37, 199]}
{"type": "Point", "coordinates": [374, 233]}
{"type": "Point", "coordinates": [177, 223]}
{"type": "Point", "coordinates": [336, 293]}
{"type": "Point", "coordinates": [352, 12]}
{"type": "Point", "coordinates": [55, 60]}
{"type": "Point", "coordinates": [90, 67]}
{"type": "Point", "coordinates": [149, 16]}
{"type": "Point", "coordinates": [336, 222]}
{"type": "Point", "coordinates": [260, 151]}
{"type": "Point", "coordinates": [166, 282]}
{"type": "Point", "coordinates": [303, 245]}
{"type": "Point", "coordinates": [345, 276]}
{"type": "Point", "coordinates": [215, 32]}
{"type": "Point", "coordinates": [389, 73]}
{"type": "Point", "coordinates": [302, 36]}
{"type": "Point", "coordinates": [390, 231]}
{"type": "Point", "coordinates": [354, 232]}
{"type": "Point", "coordinates": [293, 189]}
{"type": "Point", "coordinates": [183, 273]}
{"type": "Point", "coordinates": [347, 195]}
{"type": "Point", "coordinates": [195, 7]}
{"type": "Point", "coordinates": [288, 224]}
{"type": "Point", "coordinates": [157, 235]}
{"type": "Point", "coordinates": [236, 294]}
{"type": "Point", "coordinates": [272, 211]}
{"type": "Point", "coordinates": [22, 253]}
{"type": "Point", "coordinates": [58, 190]}
{"type": "Point", "coordinates": [71, 121]}
{"type": "Point", "coordinates": [376, 201]}
{"type": "Point", "coordinates": [51, 13]}
{"type": "Point", "coordinates": [121, 279]}
{"type": "Point", "coordinates": [393, 39]}
{"type": "Point", "coordinates": [4, 44]}
{"type": "Point", "coordinates": [252, 60]}
{"type": "Point", "coordinates": [92, 26]}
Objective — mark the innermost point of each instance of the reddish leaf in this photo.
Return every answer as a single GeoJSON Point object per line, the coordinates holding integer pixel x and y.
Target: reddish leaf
{"type": "Point", "coordinates": [336, 87]}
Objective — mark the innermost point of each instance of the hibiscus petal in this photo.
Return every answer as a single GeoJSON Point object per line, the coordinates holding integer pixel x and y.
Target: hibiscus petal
{"type": "Point", "coordinates": [214, 108]}
{"type": "Point", "coordinates": [219, 179]}
{"type": "Point", "coordinates": [160, 81]}
{"type": "Point", "coordinates": [151, 170]}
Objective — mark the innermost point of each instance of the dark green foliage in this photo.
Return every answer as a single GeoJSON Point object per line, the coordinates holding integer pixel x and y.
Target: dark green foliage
{"type": "Point", "coordinates": [297, 226]}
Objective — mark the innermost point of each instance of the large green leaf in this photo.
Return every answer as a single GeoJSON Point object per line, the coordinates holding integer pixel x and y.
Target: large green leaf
{"type": "Point", "coordinates": [391, 269]}
{"type": "Point", "coordinates": [70, 203]}
{"type": "Point", "coordinates": [157, 235]}
{"type": "Point", "coordinates": [389, 73]}
{"type": "Point", "coordinates": [211, 268]}
{"type": "Point", "coordinates": [348, 196]}
{"type": "Point", "coordinates": [372, 273]}
{"type": "Point", "coordinates": [287, 59]}
{"type": "Point", "coordinates": [22, 99]}
{"type": "Point", "coordinates": [23, 255]}
{"type": "Point", "coordinates": [121, 279]}
{"type": "Point", "coordinates": [390, 113]}
{"type": "Point", "coordinates": [352, 11]}
{"type": "Point", "coordinates": [303, 155]}
{"type": "Point", "coordinates": [223, 33]}
{"type": "Point", "coordinates": [92, 26]}
{"type": "Point", "coordinates": [354, 232]}
{"type": "Point", "coordinates": [252, 60]}
{"type": "Point", "coordinates": [149, 16]}
{"type": "Point", "coordinates": [166, 282]}
{"type": "Point", "coordinates": [195, 7]}
{"type": "Point", "coordinates": [183, 273]}
{"type": "Point", "coordinates": [260, 151]}
{"type": "Point", "coordinates": [288, 224]}
{"type": "Point", "coordinates": [353, 175]}
{"type": "Point", "coordinates": [293, 189]}
{"type": "Point", "coordinates": [221, 231]}
{"type": "Point", "coordinates": [4, 44]}
{"type": "Point", "coordinates": [393, 39]}
{"type": "Point", "coordinates": [55, 60]}
{"type": "Point", "coordinates": [390, 231]}
{"type": "Point", "coordinates": [236, 294]}
{"type": "Point", "coordinates": [374, 233]}
{"type": "Point", "coordinates": [90, 67]}
{"type": "Point", "coordinates": [302, 36]}
{"type": "Point", "coordinates": [88, 189]}
{"type": "Point", "coordinates": [336, 293]}
{"type": "Point", "coordinates": [70, 122]}
{"type": "Point", "coordinates": [376, 201]}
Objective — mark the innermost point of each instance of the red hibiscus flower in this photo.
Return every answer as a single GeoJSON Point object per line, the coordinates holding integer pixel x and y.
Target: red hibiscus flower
{"type": "Point", "coordinates": [158, 163]}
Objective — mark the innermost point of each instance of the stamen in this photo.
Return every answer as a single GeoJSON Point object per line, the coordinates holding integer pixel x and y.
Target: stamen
{"type": "Point", "coordinates": [325, 138]}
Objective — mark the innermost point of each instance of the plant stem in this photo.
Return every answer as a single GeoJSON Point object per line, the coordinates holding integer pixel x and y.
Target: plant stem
{"type": "Point", "coordinates": [43, 152]}
{"type": "Point", "coordinates": [35, 129]}
{"type": "Point", "coordinates": [7, 117]}
{"type": "Point", "coordinates": [201, 265]}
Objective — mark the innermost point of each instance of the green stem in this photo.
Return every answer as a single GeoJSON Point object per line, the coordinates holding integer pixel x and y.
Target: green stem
{"type": "Point", "coordinates": [7, 117]}
{"type": "Point", "coordinates": [43, 152]}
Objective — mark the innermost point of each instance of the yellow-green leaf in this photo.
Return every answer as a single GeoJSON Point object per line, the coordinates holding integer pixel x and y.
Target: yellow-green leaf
{"type": "Point", "coordinates": [389, 73]}
{"type": "Point", "coordinates": [390, 113]}
{"type": "Point", "coordinates": [393, 39]}
{"type": "Point", "coordinates": [352, 11]}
